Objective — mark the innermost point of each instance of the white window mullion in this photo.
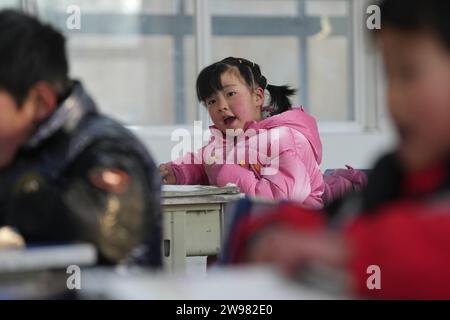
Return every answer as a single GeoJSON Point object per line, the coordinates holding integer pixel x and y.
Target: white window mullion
{"type": "Point", "coordinates": [367, 67]}
{"type": "Point", "coordinates": [203, 43]}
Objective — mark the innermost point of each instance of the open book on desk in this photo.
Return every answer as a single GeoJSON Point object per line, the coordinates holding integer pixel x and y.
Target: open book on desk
{"type": "Point", "coordinates": [169, 191]}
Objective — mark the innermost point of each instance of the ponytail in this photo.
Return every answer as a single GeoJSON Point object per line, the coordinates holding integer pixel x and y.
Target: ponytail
{"type": "Point", "coordinates": [280, 98]}
{"type": "Point", "coordinates": [279, 95]}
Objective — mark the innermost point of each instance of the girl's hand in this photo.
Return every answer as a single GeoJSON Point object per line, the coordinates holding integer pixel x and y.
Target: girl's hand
{"type": "Point", "coordinates": [167, 174]}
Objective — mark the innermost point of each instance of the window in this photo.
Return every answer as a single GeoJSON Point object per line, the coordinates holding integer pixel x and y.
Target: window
{"type": "Point", "coordinates": [306, 44]}
{"type": "Point", "coordinates": [139, 58]}
{"type": "Point", "coordinates": [131, 55]}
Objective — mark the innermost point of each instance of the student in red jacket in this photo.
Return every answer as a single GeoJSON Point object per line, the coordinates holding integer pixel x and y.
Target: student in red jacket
{"type": "Point", "coordinates": [393, 239]}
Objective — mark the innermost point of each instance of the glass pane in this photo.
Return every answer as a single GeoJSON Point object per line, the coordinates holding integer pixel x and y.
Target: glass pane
{"type": "Point", "coordinates": [277, 66]}
{"type": "Point", "coordinates": [326, 8]}
{"type": "Point", "coordinates": [130, 55]}
{"type": "Point", "coordinates": [249, 7]}
{"type": "Point", "coordinates": [114, 6]}
{"type": "Point", "coordinates": [9, 4]}
{"type": "Point", "coordinates": [328, 78]}
{"type": "Point", "coordinates": [304, 43]}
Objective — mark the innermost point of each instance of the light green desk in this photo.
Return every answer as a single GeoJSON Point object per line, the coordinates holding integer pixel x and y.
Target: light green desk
{"type": "Point", "coordinates": [193, 222]}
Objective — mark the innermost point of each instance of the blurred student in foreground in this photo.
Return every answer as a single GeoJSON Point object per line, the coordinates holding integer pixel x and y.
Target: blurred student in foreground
{"type": "Point", "coordinates": [68, 173]}
{"type": "Point", "coordinates": [399, 226]}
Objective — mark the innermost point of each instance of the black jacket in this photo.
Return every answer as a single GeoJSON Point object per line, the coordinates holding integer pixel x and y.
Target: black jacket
{"type": "Point", "coordinates": [84, 177]}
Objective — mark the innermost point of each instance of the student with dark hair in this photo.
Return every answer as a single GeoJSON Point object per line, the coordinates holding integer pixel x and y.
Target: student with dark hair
{"type": "Point", "coordinates": [68, 173]}
{"type": "Point", "coordinates": [209, 82]}
{"type": "Point", "coordinates": [277, 150]}
{"type": "Point", "coordinates": [393, 239]}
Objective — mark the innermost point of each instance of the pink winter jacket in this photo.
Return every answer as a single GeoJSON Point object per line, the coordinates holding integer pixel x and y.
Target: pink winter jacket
{"type": "Point", "coordinates": [288, 152]}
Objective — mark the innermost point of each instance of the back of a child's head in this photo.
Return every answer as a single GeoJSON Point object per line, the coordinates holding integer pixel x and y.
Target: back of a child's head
{"type": "Point", "coordinates": [209, 82]}
{"type": "Point", "coordinates": [418, 16]}
{"type": "Point", "coordinates": [30, 52]}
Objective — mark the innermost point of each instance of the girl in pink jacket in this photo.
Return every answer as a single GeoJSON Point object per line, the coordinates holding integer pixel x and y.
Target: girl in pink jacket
{"type": "Point", "coordinates": [259, 142]}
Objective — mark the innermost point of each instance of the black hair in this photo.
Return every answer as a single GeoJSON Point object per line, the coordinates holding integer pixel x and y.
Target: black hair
{"type": "Point", "coordinates": [208, 82]}
{"type": "Point", "coordinates": [418, 15]}
{"type": "Point", "coordinates": [30, 52]}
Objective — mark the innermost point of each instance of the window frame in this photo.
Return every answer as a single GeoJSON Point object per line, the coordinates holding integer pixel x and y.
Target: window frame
{"type": "Point", "coordinates": [367, 95]}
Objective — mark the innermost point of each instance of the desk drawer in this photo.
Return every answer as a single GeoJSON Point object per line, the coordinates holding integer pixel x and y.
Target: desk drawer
{"type": "Point", "coordinates": [203, 232]}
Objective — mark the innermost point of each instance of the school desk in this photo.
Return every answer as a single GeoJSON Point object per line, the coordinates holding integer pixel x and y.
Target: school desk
{"type": "Point", "coordinates": [193, 222]}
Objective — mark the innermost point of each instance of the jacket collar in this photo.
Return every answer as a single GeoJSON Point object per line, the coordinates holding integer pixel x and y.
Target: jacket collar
{"type": "Point", "coordinates": [66, 117]}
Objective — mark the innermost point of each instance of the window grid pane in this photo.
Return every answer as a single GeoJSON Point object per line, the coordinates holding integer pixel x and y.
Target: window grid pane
{"type": "Point", "coordinates": [137, 57]}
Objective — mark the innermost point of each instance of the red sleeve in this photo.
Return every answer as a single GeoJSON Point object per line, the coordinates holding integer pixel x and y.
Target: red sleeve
{"type": "Point", "coordinates": [286, 213]}
{"type": "Point", "coordinates": [410, 242]}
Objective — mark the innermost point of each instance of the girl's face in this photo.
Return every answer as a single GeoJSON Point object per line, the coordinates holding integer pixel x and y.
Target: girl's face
{"type": "Point", "coordinates": [235, 104]}
{"type": "Point", "coordinates": [418, 79]}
